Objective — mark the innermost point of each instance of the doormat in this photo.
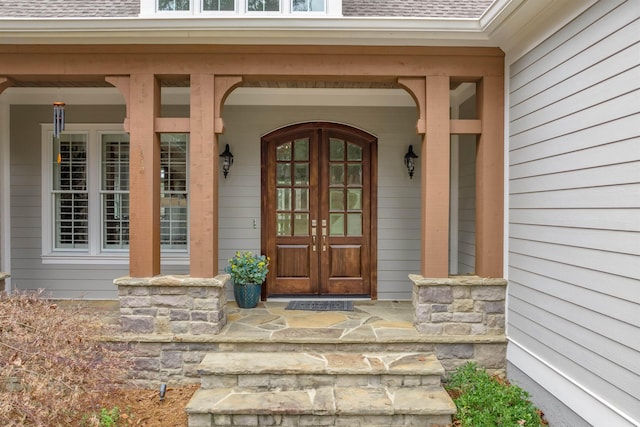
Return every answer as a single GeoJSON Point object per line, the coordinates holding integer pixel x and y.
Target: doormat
{"type": "Point", "coordinates": [320, 305]}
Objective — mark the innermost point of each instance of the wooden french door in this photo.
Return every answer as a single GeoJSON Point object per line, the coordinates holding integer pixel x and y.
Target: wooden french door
{"type": "Point", "coordinates": [318, 210]}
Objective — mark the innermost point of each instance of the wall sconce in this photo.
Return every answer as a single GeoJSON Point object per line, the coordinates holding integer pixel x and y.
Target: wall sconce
{"type": "Point", "coordinates": [410, 161]}
{"type": "Point", "coordinates": [227, 161]}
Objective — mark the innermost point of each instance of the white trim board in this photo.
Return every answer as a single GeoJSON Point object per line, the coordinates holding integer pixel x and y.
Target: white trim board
{"type": "Point", "coordinates": [591, 407]}
{"type": "Point", "coordinates": [5, 192]}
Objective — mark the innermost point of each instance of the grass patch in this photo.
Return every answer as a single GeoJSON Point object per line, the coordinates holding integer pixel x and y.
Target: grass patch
{"type": "Point", "coordinates": [485, 401]}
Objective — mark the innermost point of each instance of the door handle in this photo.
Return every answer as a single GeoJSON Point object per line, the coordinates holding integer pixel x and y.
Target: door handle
{"type": "Point", "coordinates": [324, 239]}
{"type": "Point", "coordinates": [313, 235]}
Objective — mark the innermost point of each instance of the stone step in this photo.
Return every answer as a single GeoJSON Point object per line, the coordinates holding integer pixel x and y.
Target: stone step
{"type": "Point", "coordinates": [324, 406]}
{"type": "Point", "coordinates": [299, 371]}
{"type": "Point", "coordinates": [320, 389]}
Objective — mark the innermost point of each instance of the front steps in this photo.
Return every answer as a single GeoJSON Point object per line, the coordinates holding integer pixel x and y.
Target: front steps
{"type": "Point", "coordinates": [320, 389]}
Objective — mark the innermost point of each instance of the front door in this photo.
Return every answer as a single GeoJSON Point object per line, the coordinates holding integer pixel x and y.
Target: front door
{"type": "Point", "coordinates": [318, 210]}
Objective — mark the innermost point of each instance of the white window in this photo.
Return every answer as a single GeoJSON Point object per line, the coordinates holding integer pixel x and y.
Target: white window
{"type": "Point", "coordinates": [307, 5]}
{"type": "Point", "coordinates": [85, 196]}
{"type": "Point", "coordinates": [218, 5]}
{"type": "Point", "coordinates": [174, 5]}
{"type": "Point", "coordinates": [263, 5]}
{"type": "Point", "coordinates": [174, 219]}
{"type": "Point", "coordinates": [229, 8]}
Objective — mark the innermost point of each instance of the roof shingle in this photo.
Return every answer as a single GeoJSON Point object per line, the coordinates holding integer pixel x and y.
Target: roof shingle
{"type": "Point", "coordinates": [416, 8]}
{"type": "Point", "coordinates": [69, 8]}
{"type": "Point", "coordinates": [353, 8]}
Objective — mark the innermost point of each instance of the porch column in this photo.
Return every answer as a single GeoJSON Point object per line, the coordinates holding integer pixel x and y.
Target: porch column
{"type": "Point", "coordinates": [208, 93]}
{"type": "Point", "coordinates": [490, 178]}
{"type": "Point", "coordinates": [144, 176]}
{"type": "Point", "coordinates": [203, 178]}
{"type": "Point", "coordinates": [435, 179]}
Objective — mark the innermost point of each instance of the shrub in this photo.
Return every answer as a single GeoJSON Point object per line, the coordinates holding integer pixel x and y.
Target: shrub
{"type": "Point", "coordinates": [484, 401]}
{"type": "Point", "coordinates": [53, 367]}
{"type": "Point", "coordinates": [248, 268]}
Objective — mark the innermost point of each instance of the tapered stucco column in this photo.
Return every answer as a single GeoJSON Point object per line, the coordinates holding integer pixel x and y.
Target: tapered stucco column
{"type": "Point", "coordinates": [490, 178]}
{"type": "Point", "coordinates": [144, 176]}
{"type": "Point", "coordinates": [435, 179]}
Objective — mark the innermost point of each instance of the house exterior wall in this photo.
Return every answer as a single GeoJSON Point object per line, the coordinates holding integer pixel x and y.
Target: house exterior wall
{"type": "Point", "coordinates": [574, 218]}
{"type": "Point", "coordinates": [68, 280]}
{"type": "Point", "coordinates": [398, 196]}
{"type": "Point", "coordinates": [467, 204]}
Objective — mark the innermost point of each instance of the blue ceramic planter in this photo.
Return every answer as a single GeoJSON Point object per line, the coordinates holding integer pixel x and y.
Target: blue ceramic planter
{"type": "Point", "coordinates": [248, 295]}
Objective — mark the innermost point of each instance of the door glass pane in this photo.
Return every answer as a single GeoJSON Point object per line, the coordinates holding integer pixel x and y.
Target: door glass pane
{"type": "Point", "coordinates": [301, 148]}
{"type": "Point", "coordinates": [355, 174]}
{"type": "Point", "coordinates": [302, 173]}
{"type": "Point", "coordinates": [283, 224]}
{"type": "Point", "coordinates": [284, 174]}
{"type": "Point", "coordinates": [283, 152]}
{"type": "Point", "coordinates": [336, 174]}
{"type": "Point", "coordinates": [354, 224]}
{"type": "Point", "coordinates": [336, 199]}
{"type": "Point", "coordinates": [302, 199]}
{"type": "Point", "coordinates": [336, 224]}
{"type": "Point", "coordinates": [336, 149]}
{"type": "Point", "coordinates": [354, 199]}
{"type": "Point", "coordinates": [354, 152]}
{"type": "Point", "coordinates": [284, 199]}
{"type": "Point", "coordinates": [301, 224]}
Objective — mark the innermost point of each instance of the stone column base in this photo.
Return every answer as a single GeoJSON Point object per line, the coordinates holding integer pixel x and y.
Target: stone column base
{"type": "Point", "coordinates": [173, 304]}
{"type": "Point", "coordinates": [459, 305]}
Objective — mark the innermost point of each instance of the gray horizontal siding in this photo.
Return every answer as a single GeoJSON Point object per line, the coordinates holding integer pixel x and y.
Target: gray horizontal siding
{"type": "Point", "coordinates": [398, 197]}
{"type": "Point", "coordinates": [93, 281]}
{"type": "Point", "coordinates": [574, 204]}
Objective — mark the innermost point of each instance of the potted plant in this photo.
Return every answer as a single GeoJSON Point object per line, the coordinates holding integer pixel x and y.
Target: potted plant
{"type": "Point", "coordinates": [248, 271]}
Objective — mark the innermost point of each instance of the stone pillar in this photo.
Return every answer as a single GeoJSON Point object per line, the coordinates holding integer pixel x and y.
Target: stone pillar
{"type": "Point", "coordinates": [172, 305]}
{"type": "Point", "coordinates": [144, 176]}
{"type": "Point", "coordinates": [461, 305]}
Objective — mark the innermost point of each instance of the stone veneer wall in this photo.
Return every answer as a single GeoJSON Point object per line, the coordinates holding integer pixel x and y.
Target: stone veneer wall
{"type": "Point", "coordinates": [467, 315]}
{"type": "Point", "coordinates": [462, 305]}
{"type": "Point", "coordinates": [172, 305]}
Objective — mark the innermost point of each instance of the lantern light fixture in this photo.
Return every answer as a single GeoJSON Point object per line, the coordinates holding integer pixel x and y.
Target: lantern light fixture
{"type": "Point", "coordinates": [410, 161]}
{"type": "Point", "coordinates": [227, 161]}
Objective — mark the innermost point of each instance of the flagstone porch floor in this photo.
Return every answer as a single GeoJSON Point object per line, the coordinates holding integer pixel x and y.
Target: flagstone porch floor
{"type": "Point", "coordinates": [369, 321]}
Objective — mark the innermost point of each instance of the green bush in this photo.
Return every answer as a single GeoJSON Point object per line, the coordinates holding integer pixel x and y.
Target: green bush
{"type": "Point", "coordinates": [484, 401]}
